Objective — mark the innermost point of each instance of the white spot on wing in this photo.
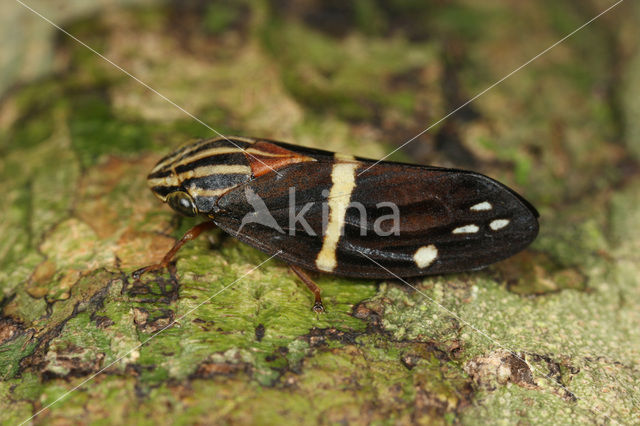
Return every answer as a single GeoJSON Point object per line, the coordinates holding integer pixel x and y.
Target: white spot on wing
{"type": "Point", "coordinates": [483, 206]}
{"type": "Point", "coordinates": [467, 229]}
{"type": "Point", "coordinates": [498, 224]}
{"type": "Point", "coordinates": [425, 256]}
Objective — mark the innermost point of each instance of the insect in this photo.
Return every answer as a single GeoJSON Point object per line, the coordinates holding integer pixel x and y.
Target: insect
{"type": "Point", "coordinates": [331, 213]}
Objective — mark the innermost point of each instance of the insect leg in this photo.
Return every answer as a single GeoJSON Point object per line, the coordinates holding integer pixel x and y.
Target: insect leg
{"type": "Point", "coordinates": [190, 235]}
{"type": "Point", "coordinates": [317, 305]}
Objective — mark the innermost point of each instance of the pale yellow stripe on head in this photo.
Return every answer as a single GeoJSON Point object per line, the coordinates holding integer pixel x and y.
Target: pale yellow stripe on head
{"type": "Point", "coordinates": [194, 191]}
{"type": "Point", "coordinates": [163, 181]}
{"type": "Point", "coordinates": [255, 151]}
{"type": "Point", "coordinates": [219, 169]}
{"type": "Point", "coordinates": [343, 178]}
{"type": "Point", "coordinates": [208, 153]}
{"type": "Point", "coordinates": [241, 139]}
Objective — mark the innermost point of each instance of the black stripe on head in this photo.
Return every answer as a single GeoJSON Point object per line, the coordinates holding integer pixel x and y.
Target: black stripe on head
{"type": "Point", "coordinates": [214, 159]}
{"type": "Point", "coordinates": [159, 174]}
{"type": "Point", "coordinates": [217, 143]}
{"type": "Point", "coordinates": [217, 181]}
{"type": "Point", "coordinates": [230, 142]}
{"type": "Point", "coordinates": [185, 151]}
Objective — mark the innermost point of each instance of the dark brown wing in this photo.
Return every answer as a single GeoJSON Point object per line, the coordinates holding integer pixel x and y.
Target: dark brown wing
{"type": "Point", "coordinates": [448, 220]}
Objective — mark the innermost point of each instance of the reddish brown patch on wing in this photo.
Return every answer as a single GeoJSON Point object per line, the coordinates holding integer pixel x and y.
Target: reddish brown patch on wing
{"type": "Point", "coordinates": [265, 157]}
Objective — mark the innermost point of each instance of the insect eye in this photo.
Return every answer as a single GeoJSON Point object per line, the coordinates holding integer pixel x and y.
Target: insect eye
{"type": "Point", "coordinates": [182, 203]}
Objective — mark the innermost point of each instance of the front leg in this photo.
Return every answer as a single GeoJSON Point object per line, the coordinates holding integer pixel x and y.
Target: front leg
{"type": "Point", "coordinates": [191, 234]}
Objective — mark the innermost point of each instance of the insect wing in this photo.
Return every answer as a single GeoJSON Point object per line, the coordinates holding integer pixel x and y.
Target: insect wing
{"type": "Point", "coordinates": [331, 216]}
{"type": "Point", "coordinates": [258, 212]}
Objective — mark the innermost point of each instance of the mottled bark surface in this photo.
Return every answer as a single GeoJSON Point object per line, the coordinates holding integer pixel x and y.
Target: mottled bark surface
{"type": "Point", "coordinates": [551, 335]}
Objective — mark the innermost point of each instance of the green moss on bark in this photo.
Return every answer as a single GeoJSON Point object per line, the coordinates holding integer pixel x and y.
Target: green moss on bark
{"type": "Point", "coordinates": [548, 336]}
